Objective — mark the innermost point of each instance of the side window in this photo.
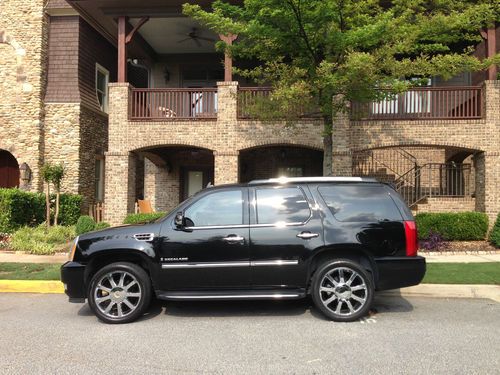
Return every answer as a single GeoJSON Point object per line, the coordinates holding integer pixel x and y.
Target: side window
{"type": "Point", "coordinates": [281, 205]}
{"type": "Point", "coordinates": [219, 208]}
{"type": "Point", "coordinates": [101, 86]}
{"type": "Point", "coordinates": [358, 203]}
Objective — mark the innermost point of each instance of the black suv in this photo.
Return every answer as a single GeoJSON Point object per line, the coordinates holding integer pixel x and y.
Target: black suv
{"type": "Point", "coordinates": [336, 239]}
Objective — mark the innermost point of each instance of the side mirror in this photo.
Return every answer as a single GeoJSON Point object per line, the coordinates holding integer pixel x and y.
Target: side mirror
{"type": "Point", "coordinates": [179, 219]}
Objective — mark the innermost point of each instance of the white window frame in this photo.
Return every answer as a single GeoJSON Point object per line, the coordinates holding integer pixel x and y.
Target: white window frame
{"type": "Point", "coordinates": [100, 69]}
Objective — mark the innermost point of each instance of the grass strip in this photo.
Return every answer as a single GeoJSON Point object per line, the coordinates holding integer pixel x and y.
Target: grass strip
{"type": "Point", "coordinates": [463, 273]}
{"type": "Point", "coordinates": [29, 271]}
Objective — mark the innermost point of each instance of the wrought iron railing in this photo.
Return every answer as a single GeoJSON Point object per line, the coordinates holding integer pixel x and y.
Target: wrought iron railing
{"type": "Point", "coordinates": [424, 103]}
{"type": "Point", "coordinates": [435, 180]}
{"type": "Point", "coordinates": [170, 104]}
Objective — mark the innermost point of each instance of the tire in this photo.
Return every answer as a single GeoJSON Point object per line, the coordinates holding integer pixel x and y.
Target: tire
{"type": "Point", "coordinates": [119, 293]}
{"type": "Point", "coordinates": [342, 282]}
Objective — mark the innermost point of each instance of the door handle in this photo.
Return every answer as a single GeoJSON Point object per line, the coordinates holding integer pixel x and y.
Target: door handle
{"type": "Point", "coordinates": [307, 235]}
{"type": "Point", "coordinates": [232, 238]}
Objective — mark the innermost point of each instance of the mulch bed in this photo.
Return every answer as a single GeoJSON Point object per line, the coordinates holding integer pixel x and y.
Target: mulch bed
{"type": "Point", "coordinates": [464, 247]}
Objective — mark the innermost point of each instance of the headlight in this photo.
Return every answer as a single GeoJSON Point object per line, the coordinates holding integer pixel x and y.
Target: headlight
{"type": "Point", "coordinates": [72, 250]}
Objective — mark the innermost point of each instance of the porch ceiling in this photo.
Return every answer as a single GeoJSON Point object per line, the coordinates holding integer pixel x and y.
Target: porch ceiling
{"type": "Point", "coordinates": [165, 28]}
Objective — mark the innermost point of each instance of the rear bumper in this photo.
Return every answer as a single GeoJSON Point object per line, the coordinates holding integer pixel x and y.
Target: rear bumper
{"type": "Point", "coordinates": [72, 275]}
{"type": "Point", "coordinates": [399, 272]}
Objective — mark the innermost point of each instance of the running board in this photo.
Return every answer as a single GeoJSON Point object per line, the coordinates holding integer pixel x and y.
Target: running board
{"type": "Point", "coordinates": [231, 295]}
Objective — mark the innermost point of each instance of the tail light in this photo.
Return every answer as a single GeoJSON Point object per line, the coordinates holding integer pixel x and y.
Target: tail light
{"type": "Point", "coordinates": [411, 238]}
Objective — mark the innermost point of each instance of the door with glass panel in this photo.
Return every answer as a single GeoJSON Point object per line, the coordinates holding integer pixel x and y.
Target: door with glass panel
{"type": "Point", "coordinates": [194, 180]}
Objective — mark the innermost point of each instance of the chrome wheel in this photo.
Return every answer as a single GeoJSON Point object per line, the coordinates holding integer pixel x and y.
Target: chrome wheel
{"type": "Point", "coordinates": [343, 291]}
{"type": "Point", "coordinates": [117, 294]}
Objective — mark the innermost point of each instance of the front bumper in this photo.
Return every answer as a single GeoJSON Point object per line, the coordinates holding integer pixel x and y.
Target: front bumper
{"type": "Point", "coordinates": [72, 275]}
{"type": "Point", "coordinates": [399, 272]}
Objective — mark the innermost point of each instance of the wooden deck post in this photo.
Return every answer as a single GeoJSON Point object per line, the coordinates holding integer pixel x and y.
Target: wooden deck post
{"type": "Point", "coordinates": [122, 49]}
{"type": "Point", "coordinates": [491, 51]}
{"type": "Point", "coordinates": [228, 61]}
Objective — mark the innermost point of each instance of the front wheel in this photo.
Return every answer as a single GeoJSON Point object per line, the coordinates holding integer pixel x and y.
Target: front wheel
{"type": "Point", "coordinates": [342, 290]}
{"type": "Point", "coordinates": [119, 292]}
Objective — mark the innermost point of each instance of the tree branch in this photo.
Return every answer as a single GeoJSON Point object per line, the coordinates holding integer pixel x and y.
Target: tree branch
{"type": "Point", "coordinates": [303, 34]}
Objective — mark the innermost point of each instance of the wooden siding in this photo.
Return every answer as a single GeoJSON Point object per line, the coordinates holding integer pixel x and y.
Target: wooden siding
{"type": "Point", "coordinates": [62, 73]}
{"type": "Point", "coordinates": [93, 48]}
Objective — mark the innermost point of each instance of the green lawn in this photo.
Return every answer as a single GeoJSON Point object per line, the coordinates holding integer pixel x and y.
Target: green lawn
{"type": "Point", "coordinates": [437, 273]}
{"type": "Point", "coordinates": [462, 273]}
{"type": "Point", "coordinates": [29, 271]}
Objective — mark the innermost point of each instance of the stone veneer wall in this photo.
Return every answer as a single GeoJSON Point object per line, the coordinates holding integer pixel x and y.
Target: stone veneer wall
{"type": "Point", "coordinates": [23, 48]}
{"type": "Point", "coordinates": [75, 135]}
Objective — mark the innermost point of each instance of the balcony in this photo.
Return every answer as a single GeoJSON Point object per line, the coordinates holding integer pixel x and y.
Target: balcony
{"type": "Point", "coordinates": [429, 103]}
{"type": "Point", "coordinates": [433, 103]}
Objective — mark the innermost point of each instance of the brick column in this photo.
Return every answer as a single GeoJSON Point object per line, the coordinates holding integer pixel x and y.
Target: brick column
{"type": "Point", "coordinates": [342, 155]}
{"type": "Point", "coordinates": [157, 183]}
{"type": "Point", "coordinates": [119, 186]}
{"type": "Point", "coordinates": [118, 116]}
{"type": "Point", "coordinates": [487, 163]}
{"type": "Point", "coordinates": [226, 167]}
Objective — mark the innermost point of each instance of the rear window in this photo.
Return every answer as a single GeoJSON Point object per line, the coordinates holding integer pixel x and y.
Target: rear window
{"type": "Point", "coordinates": [359, 203]}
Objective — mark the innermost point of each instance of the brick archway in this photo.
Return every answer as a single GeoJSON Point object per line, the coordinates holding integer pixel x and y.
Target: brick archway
{"type": "Point", "coordinates": [9, 170]}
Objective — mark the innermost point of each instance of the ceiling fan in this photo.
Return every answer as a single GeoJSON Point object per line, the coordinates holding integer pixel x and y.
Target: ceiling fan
{"type": "Point", "coordinates": [195, 36]}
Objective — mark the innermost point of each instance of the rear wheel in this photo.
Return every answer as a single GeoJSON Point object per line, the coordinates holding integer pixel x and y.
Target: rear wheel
{"type": "Point", "coordinates": [342, 290]}
{"type": "Point", "coordinates": [119, 292]}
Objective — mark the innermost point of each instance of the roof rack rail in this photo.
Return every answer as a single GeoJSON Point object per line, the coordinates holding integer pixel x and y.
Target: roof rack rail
{"type": "Point", "coordinates": [286, 180]}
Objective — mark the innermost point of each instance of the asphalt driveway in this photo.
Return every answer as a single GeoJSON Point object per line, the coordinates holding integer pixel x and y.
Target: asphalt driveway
{"type": "Point", "coordinates": [45, 334]}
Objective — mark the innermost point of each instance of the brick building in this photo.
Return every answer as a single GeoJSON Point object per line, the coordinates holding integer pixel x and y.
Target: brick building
{"type": "Point", "coordinates": [134, 100]}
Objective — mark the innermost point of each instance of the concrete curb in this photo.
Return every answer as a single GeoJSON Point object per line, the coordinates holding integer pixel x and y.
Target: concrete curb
{"type": "Point", "coordinates": [31, 286]}
{"type": "Point", "coordinates": [447, 291]}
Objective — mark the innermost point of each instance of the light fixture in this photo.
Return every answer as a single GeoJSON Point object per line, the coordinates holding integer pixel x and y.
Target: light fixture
{"type": "Point", "coordinates": [25, 173]}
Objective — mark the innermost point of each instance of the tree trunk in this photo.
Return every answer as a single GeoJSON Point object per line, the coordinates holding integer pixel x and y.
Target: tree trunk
{"type": "Point", "coordinates": [56, 215]}
{"type": "Point", "coordinates": [327, 148]}
{"type": "Point", "coordinates": [47, 205]}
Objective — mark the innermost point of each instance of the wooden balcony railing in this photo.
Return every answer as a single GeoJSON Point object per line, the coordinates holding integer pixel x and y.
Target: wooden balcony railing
{"type": "Point", "coordinates": [248, 97]}
{"type": "Point", "coordinates": [170, 104]}
{"type": "Point", "coordinates": [433, 103]}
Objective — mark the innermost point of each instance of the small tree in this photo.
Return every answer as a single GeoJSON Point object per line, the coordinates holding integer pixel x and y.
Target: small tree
{"type": "Point", "coordinates": [315, 50]}
{"type": "Point", "coordinates": [52, 174]}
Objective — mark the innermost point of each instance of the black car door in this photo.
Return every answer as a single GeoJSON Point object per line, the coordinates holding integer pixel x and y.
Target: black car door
{"type": "Point", "coordinates": [285, 228]}
{"type": "Point", "coordinates": [211, 251]}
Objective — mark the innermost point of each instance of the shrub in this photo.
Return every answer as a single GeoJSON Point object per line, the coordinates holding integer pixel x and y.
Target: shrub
{"type": "Point", "coordinates": [460, 226]}
{"type": "Point", "coordinates": [71, 209]}
{"type": "Point", "coordinates": [495, 233]}
{"type": "Point", "coordinates": [101, 225]}
{"type": "Point", "coordinates": [42, 240]}
{"type": "Point", "coordinates": [85, 224]}
{"type": "Point", "coordinates": [19, 208]}
{"type": "Point", "coordinates": [142, 218]}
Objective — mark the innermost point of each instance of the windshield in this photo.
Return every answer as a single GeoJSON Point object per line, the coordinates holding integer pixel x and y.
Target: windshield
{"type": "Point", "coordinates": [176, 208]}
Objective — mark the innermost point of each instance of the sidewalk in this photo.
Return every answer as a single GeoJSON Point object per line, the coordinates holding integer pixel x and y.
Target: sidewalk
{"type": "Point", "coordinates": [11, 257]}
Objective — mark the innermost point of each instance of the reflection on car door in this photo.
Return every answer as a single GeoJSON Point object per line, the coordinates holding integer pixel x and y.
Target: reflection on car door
{"type": "Point", "coordinates": [283, 230]}
{"type": "Point", "coordinates": [212, 251]}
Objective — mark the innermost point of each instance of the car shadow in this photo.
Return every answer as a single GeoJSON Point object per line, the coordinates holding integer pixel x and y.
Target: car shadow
{"type": "Point", "coordinates": [382, 304]}
{"type": "Point", "coordinates": [234, 308]}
